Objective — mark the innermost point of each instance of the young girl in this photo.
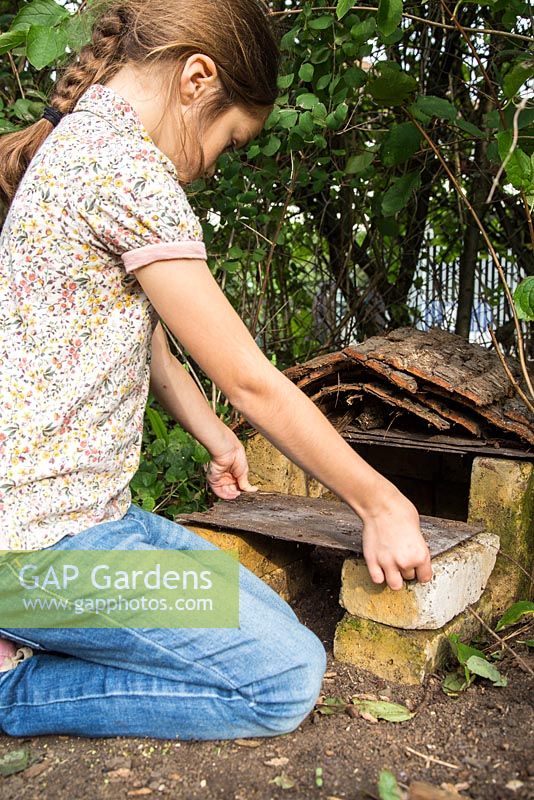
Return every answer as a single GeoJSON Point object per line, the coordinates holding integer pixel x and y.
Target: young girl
{"type": "Point", "coordinates": [99, 244]}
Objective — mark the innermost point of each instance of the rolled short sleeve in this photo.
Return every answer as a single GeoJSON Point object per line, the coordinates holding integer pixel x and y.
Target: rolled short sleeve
{"type": "Point", "coordinates": [138, 211]}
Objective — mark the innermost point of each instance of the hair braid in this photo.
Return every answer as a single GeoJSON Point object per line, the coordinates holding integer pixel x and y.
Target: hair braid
{"type": "Point", "coordinates": [96, 61]}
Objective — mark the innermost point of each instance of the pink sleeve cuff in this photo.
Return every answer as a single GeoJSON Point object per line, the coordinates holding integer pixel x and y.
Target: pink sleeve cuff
{"type": "Point", "coordinates": [141, 256]}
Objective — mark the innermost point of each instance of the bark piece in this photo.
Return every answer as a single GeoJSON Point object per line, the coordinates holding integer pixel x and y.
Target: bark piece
{"type": "Point", "coordinates": [441, 358]}
{"type": "Point", "coordinates": [311, 520]}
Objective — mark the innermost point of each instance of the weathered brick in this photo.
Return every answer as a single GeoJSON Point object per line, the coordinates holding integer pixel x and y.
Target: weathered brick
{"type": "Point", "coordinates": [459, 578]}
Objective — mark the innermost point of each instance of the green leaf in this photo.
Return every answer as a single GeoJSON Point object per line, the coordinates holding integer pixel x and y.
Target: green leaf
{"type": "Point", "coordinates": [463, 651]}
{"type": "Point", "coordinates": [45, 13]}
{"type": "Point", "coordinates": [272, 146]}
{"type": "Point", "coordinates": [399, 193]}
{"type": "Point", "coordinates": [306, 122]}
{"type": "Point", "coordinates": [253, 151]}
{"type": "Point", "coordinates": [331, 705]}
{"type": "Point", "coordinates": [482, 667]}
{"type": "Point", "coordinates": [288, 118]}
{"type": "Point", "coordinates": [392, 87]}
{"type": "Point", "coordinates": [14, 761]}
{"type": "Point", "coordinates": [436, 107]}
{"type": "Point", "coordinates": [6, 126]}
{"type": "Point", "coordinates": [319, 113]}
{"type": "Point", "coordinates": [454, 683]}
{"type": "Point", "coordinates": [285, 81]}
{"type": "Point", "coordinates": [354, 77]}
{"type": "Point", "coordinates": [400, 143]}
{"type": "Point", "coordinates": [11, 39]}
{"type": "Point", "coordinates": [45, 45]}
{"type": "Point", "coordinates": [363, 31]}
{"type": "Point", "coordinates": [321, 23]}
{"type": "Point", "coordinates": [468, 127]}
{"type": "Point", "coordinates": [525, 290]}
{"type": "Point", "coordinates": [388, 788]}
{"type": "Point", "coordinates": [343, 7]}
{"type": "Point", "coordinates": [389, 16]}
{"type": "Point", "coordinates": [518, 166]}
{"type": "Point", "coordinates": [356, 164]}
{"type": "Point", "coordinates": [516, 77]}
{"type": "Point", "coordinates": [156, 423]}
{"type": "Point", "coordinates": [26, 110]}
{"type": "Point", "coordinates": [392, 712]}
{"type": "Point", "coordinates": [78, 31]}
{"type": "Point", "coordinates": [306, 72]}
{"type": "Point", "coordinates": [307, 100]}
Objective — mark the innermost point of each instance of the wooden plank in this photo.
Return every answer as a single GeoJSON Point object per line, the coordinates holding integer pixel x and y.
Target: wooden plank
{"type": "Point", "coordinates": [326, 523]}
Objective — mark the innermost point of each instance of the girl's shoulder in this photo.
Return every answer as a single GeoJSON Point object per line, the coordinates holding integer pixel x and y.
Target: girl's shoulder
{"type": "Point", "coordinates": [103, 136]}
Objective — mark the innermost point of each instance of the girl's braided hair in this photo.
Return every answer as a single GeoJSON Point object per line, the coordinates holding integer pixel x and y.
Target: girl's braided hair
{"type": "Point", "coordinates": [236, 34]}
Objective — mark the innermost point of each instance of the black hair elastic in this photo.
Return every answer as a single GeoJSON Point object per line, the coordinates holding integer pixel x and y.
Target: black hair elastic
{"type": "Point", "coordinates": [52, 115]}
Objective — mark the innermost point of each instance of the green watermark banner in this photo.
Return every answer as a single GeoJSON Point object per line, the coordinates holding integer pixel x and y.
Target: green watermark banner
{"type": "Point", "coordinates": [119, 588]}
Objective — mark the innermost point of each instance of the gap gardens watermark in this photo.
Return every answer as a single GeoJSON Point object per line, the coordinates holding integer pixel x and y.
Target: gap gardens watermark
{"type": "Point", "coordinates": [119, 588]}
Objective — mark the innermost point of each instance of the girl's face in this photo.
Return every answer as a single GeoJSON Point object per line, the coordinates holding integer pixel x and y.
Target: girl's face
{"type": "Point", "coordinates": [231, 130]}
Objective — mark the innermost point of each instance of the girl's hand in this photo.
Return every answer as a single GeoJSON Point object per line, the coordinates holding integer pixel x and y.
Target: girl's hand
{"type": "Point", "coordinates": [227, 474]}
{"type": "Point", "coordinates": [393, 546]}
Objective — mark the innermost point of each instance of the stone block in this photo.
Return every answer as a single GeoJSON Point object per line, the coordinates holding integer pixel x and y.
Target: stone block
{"type": "Point", "coordinates": [459, 578]}
{"type": "Point", "coordinates": [404, 656]}
{"type": "Point", "coordinates": [502, 499]}
{"type": "Point", "coordinates": [271, 471]}
{"type": "Point", "coordinates": [281, 564]}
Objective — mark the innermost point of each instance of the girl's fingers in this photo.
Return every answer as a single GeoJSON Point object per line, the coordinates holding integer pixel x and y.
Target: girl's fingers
{"type": "Point", "coordinates": [408, 574]}
{"type": "Point", "coordinates": [377, 576]}
{"type": "Point", "coordinates": [394, 578]}
{"type": "Point", "coordinates": [424, 573]}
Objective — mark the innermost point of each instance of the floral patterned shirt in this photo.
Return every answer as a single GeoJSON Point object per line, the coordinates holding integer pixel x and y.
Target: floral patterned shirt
{"type": "Point", "coordinates": [98, 201]}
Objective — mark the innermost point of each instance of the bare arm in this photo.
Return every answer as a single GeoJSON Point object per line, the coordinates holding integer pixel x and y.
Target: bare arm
{"type": "Point", "coordinates": [177, 392]}
{"type": "Point", "coordinates": [187, 297]}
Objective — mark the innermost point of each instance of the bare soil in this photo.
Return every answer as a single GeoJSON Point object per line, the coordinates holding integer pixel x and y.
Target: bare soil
{"type": "Point", "coordinates": [485, 737]}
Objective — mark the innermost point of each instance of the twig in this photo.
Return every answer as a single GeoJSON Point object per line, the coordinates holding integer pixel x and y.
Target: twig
{"type": "Point", "coordinates": [429, 22]}
{"type": "Point", "coordinates": [291, 189]}
{"type": "Point", "coordinates": [502, 642]}
{"type": "Point", "coordinates": [16, 74]}
{"type": "Point", "coordinates": [428, 758]}
{"type": "Point", "coordinates": [185, 359]}
{"type": "Point", "coordinates": [492, 250]}
{"type": "Point", "coordinates": [507, 369]}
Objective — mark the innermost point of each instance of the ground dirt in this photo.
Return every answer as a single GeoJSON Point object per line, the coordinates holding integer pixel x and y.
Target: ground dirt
{"type": "Point", "coordinates": [484, 736]}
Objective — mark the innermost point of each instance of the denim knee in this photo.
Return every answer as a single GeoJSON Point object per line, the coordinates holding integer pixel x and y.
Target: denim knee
{"type": "Point", "coordinates": [285, 699]}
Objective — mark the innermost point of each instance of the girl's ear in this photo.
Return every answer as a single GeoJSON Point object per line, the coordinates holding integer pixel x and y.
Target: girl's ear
{"type": "Point", "coordinates": [198, 77]}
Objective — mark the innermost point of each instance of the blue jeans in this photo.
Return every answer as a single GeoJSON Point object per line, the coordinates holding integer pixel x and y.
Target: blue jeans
{"type": "Point", "coordinates": [261, 679]}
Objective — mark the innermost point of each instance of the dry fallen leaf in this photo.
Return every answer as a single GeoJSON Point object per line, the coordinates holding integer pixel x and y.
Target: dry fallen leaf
{"type": "Point", "coordinates": [36, 769]}
{"type": "Point", "coordinates": [514, 785]}
{"type": "Point", "coordinates": [369, 717]}
{"type": "Point", "coordinates": [277, 762]}
{"type": "Point", "coordinates": [118, 774]}
{"type": "Point", "coordinates": [283, 781]}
